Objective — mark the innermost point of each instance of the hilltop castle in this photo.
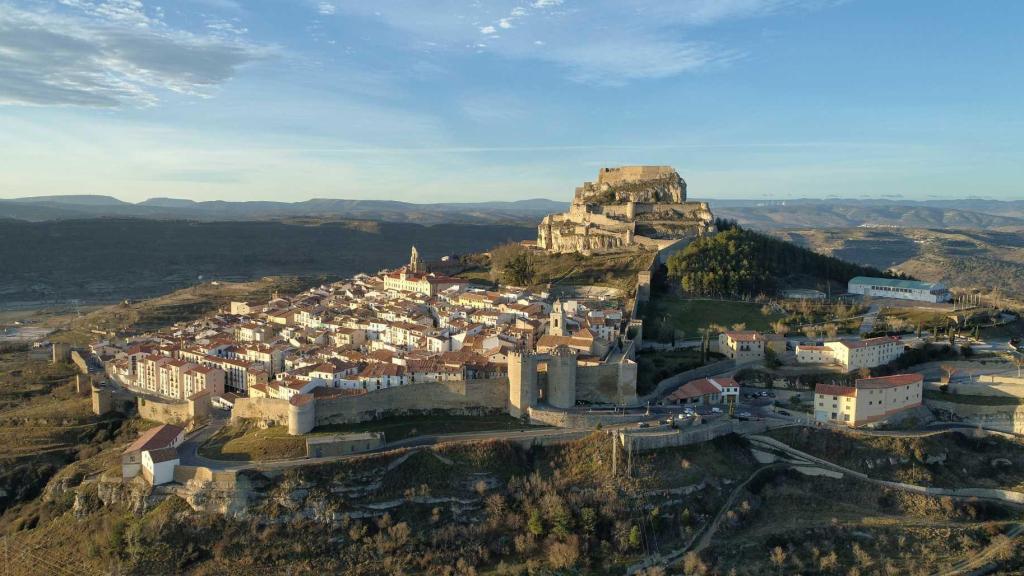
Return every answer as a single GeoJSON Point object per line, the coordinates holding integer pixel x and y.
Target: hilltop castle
{"type": "Point", "coordinates": [630, 207]}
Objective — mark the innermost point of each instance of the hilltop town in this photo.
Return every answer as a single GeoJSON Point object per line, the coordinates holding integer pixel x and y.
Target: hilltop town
{"type": "Point", "coordinates": [626, 427]}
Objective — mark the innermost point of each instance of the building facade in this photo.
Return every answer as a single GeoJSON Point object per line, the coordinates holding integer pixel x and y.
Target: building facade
{"type": "Point", "coordinates": [868, 400]}
{"type": "Point", "coordinates": [901, 289]}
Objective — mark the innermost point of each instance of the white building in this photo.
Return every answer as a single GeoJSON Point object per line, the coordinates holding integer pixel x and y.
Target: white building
{"type": "Point", "coordinates": [853, 354]}
{"type": "Point", "coordinates": [901, 289]}
{"type": "Point", "coordinates": [158, 465]}
{"type": "Point", "coordinates": [868, 400]}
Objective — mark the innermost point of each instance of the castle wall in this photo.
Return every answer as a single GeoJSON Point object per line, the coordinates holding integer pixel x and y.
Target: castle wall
{"type": "Point", "coordinates": [602, 384]}
{"type": "Point", "coordinates": [562, 379]}
{"type": "Point", "coordinates": [471, 397]}
{"type": "Point", "coordinates": [76, 358]}
{"type": "Point", "coordinates": [264, 409]}
{"type": "Point", "coordinates": [164, 412]}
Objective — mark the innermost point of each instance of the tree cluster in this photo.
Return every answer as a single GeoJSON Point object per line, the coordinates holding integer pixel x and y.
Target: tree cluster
{"type": "Point", "coordinates": [739, 262]}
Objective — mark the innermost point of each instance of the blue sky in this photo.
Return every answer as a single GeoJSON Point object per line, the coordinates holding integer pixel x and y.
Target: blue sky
{"type": "Point", "coordinates": [445, 100]}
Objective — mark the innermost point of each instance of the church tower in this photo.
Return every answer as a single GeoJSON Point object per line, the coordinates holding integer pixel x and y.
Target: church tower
{"type": "Point", "coordinates": [556, 321]}
{"type": "Point", "coordinates": [416, 263]}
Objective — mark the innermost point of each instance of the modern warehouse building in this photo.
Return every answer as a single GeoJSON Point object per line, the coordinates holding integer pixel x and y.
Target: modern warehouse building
{"type": "Point", "coordinates": [902, 289]}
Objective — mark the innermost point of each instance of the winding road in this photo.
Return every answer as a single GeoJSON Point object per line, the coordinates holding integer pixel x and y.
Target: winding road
{"type": "Point", "coordinates": [188, 452]}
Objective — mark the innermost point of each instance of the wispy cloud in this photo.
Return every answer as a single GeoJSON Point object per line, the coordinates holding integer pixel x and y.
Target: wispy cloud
{"type": "Point", "coordinates": [607, 42]}
{"type": "Point", "coordinates": [326, 8]}
{"type": "Point", "coordinates": [112, 52]}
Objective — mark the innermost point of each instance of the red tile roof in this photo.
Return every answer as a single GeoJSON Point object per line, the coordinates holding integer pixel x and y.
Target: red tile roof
{"type": "Point", "coordinates": [163, 454]}
{"type": "Point", "coordinates": [694, 389]}
{"type": "Point", "coordinates": [890, 381]}
{"type": "Point", "coordinates": [835, 390]}
{"type": "Point", "coordinates": [157, 437]}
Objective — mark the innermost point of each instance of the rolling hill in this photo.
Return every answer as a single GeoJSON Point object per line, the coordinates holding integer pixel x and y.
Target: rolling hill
{"type": "Point", "coordinates": [971, 259]}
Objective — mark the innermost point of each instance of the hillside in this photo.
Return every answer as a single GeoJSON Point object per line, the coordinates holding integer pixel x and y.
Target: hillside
{"type": "Point", "coordinates": [111, 259]}
{"type": "Point", "coordinates": [843, 213]}
{"type": "Point", "coordinates": [964, 258]}
{"type": "Point", "coordinates": [740, 262]}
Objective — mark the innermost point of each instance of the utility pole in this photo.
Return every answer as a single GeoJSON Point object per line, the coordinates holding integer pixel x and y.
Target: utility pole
{"type": "Point", "coordinates": [629, 463]}
{"type": "Point", "coordinates": [615, 454]}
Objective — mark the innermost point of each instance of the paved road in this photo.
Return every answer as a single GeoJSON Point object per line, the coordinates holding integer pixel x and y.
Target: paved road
{"type": "Point", "coordinates": [189, 456]}
{"type": "Point", "coordinates": [868, 324]}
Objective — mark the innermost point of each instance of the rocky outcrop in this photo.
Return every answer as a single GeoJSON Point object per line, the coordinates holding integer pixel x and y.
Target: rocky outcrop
{"type": "Point", "coordinates": [631, 207]}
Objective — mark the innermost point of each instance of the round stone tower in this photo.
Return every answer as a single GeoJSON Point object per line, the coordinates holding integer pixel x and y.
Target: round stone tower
{"type": "Point", "coordinates": [562, 378]}
{"type": "Point", "coordinates": [301, 414]}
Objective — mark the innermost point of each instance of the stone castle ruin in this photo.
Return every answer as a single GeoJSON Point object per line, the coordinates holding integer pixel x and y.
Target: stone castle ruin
{"type": "Point", "coordinates": [630, 207]}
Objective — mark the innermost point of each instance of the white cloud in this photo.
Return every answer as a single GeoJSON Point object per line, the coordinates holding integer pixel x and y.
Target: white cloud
{"type": "Point", "coordinates": [110, 53]}
{"type": "Point", "coordinates": [600, 41]}
{"type": "Point", "coordinates": [326, 8]}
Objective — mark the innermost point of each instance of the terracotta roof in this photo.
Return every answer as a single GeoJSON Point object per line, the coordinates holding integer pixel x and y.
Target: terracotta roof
{"type": "Point", "coordinates": [835, 390]}
{"type": "Point", "coordinates": [890, 381]}
{"type": "Point", "coordinates": [163, 454]}
{"type": "Point", "coordinates": [157, 437]}
{"type": "Point", "coordinates": [694, 389]}
{"type": "Point", "coordinates": [745, 336]}
{"type": "Point", "coordinates": [881, 340]}
{"type": "Point", "coordinates": [725, 382]}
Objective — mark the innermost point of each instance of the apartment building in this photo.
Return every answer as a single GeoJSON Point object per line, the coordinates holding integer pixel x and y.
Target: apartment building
{"type": "Point", "coordinates": [868, 400]}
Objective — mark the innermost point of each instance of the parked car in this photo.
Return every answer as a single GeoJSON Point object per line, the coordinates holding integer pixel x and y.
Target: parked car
{"type": "Point", "coordinates": [784, 413]}
{"type": "Point", "coordinates": [745, 414]}
{"type": "Point", "coordinates": [643, 425]}
{"type": "Point", "coordinates": [716, 410]}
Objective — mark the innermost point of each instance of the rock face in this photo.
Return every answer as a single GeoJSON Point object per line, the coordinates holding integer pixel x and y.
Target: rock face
{"type": "Point", "coordinates": [630, 207]}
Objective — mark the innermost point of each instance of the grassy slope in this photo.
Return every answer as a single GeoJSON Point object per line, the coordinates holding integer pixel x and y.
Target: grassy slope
{"type": "Point", "coordinates": [969, 461]}
{"type": "Point", "coordinates": [864, 526]}
{"type": "Point", "coordinates": [686, 316]}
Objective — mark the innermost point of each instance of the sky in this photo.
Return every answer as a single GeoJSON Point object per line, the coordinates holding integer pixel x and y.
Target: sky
{"type": "Point", "coordinates": [445, 100]}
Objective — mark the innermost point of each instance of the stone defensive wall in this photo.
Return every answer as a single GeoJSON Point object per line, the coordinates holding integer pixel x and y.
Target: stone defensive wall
{"type": "Point", "coordinates": [460, 396]}
{"type": "Point", "coordinates": [174, 412]}
{"type": "Point", "coordinates": [607, 383]}
{"type": "Point", "coordinates": [79, 361]}
{"type": "Point", "coordinates": [631, 173]}
{"type": "Point", "coordinates": [465, 397]}
{"type": "Point", "coordinates": [270, 410]}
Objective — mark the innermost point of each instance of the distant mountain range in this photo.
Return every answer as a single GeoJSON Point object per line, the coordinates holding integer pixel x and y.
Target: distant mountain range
{"type": "Point", "coordinates": [981, 215]}
{"type": "Point", "coordinates": [44, 208]}
{"type": "Point", "coordinates": [966, 213]}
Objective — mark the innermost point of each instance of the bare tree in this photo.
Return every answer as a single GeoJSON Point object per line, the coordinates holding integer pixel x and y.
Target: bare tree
{"type": "Point", "coordinates": [778, 557]}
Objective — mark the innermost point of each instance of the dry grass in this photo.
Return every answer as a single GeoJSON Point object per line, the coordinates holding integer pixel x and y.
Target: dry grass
{"type": "Point", "coordinates": [246, 441]}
